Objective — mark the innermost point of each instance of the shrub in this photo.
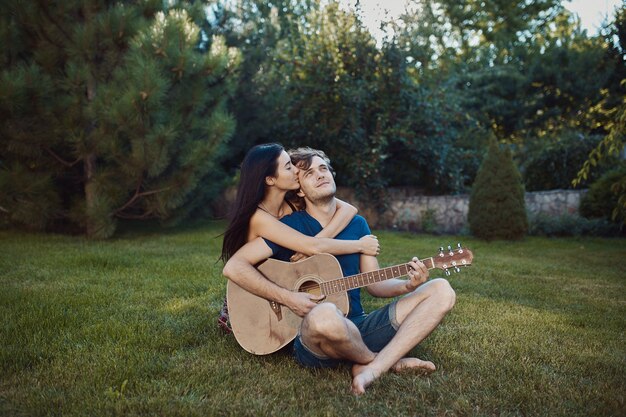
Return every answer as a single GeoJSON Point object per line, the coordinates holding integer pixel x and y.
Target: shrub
{"type": "Point", "coordinates": [555, 164]}
{"type": "Point", "coordinates": [429, 222]}
{"type": "Point", "coordinates": [496, 208]}
{"type": "Point", "coordinates": [570, 225]}
{"type": "Point", "coordinates": [601, 199]}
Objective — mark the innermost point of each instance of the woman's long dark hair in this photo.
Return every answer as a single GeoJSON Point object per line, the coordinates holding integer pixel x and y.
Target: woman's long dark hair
{"type": "Point", "coordinates": [261, 161]}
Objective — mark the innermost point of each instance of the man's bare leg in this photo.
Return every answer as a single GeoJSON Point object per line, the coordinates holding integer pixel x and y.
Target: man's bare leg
{"type": "Point", "coordinates": [326, 331]}
{"type": "Point", "coordinates": [418, 314]}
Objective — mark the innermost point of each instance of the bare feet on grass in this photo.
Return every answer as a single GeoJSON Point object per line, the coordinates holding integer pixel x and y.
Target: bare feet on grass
{"type": "Point", "coordinates": [414, 364]}
{"type": "Point", "coordinates": [364, 375]}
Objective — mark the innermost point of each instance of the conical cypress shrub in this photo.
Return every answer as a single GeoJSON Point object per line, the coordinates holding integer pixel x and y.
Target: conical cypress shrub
{"type": "Point", "coordinates": [497, 209]}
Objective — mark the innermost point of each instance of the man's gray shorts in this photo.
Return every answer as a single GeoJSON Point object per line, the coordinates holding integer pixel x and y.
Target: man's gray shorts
{"type": "Point", "coordinates": [377, 329]}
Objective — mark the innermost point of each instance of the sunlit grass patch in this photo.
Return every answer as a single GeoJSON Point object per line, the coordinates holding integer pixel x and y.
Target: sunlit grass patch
{"type": "Point", "coordinates": [127, 326]}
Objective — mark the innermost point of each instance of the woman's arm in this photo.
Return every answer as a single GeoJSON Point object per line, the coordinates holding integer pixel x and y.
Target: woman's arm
{"type": "Point", "coordinates": [342, 218]}
{"type": "Point", "coordinates": [264, 225]}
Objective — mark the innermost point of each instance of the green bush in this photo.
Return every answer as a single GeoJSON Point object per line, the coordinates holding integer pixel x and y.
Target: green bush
{"type": "Point", "coordinates": [497, 208]}
{"type": "Point", "coordinates": [554, 165]}
{"type": "Point", "coordinates": [570, 225]}
{"type": "Point", "coordinates": [429, 222]}
{"type": "Point", "coordinates": [601, 200]}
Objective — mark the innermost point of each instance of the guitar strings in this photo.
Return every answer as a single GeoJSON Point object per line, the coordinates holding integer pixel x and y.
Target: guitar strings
{"type": "Point", "coordinates": [310, 286]}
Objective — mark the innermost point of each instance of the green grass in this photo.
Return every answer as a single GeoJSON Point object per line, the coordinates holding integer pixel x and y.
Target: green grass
{"type": "Point", "coordinates": [127, 327]}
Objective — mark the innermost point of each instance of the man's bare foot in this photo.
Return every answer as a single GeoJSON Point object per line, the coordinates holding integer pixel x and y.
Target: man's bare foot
{"type": "Point", "coordinates": [362, 376]}
{"type": "Point", "coordinates": [414, 364]}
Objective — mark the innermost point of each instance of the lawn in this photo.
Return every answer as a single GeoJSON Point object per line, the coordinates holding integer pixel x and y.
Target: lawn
{"type": "Point", "coordinates": [127, 327]}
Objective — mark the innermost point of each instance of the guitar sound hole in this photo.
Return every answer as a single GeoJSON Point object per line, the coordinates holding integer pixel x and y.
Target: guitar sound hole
{"type": "Point", "coordinates": [310, 287]}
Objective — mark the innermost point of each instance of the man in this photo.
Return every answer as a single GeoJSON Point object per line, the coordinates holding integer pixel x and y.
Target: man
{"type": "Point", "coordinates": [373, 343]}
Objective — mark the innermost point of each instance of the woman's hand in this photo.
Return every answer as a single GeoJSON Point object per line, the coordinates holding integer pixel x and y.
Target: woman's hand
{"type": "Point", "coordinates": [297, 257]}
{"type": "Point", "coordinates": [369, 245]}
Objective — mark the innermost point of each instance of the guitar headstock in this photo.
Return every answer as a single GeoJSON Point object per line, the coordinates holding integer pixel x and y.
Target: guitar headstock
{"type": "Point", "coordinates": [452, 259]}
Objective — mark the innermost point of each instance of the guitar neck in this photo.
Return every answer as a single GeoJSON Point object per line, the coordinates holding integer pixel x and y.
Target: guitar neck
{"type": "Point", "coordinates": [368, 278]}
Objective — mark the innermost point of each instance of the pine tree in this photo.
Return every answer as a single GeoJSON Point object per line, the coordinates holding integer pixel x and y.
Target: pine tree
{"type": "Point", "coordinates": [496, 208]}
{"type": "Point", "coordinates": [111, 110]}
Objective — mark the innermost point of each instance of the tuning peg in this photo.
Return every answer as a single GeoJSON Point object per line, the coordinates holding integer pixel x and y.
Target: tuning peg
{"type": "Point", "coordinates": [458, 245]}
{"type": "Point", "coordinates": [457, 269]}
{"type": "Point", "coordinates": [447, 271]}
{"type": "Point", "coordinates": [450, 250]}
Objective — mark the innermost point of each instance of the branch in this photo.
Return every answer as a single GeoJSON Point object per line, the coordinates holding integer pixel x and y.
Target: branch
{"type": "Point", "coordinates": [144, 216]}
{"type": "Point", "coordinates": [137, 196]}
{"type": "Point", "coordinates": [2, 209]}
{"type": "Point", "coordinates": [61, 160]}
{"type": "Point", "coordinates": [42, 5]}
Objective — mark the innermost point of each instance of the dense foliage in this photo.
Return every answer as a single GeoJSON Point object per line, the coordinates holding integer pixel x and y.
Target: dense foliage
{"type": "Point", "coordinates": [603, 195]}
{"type": "Point", "coordinates": [496, 207]}
{"type": "Point", "coordinates": [554, 164]}
{"type": "Point", "coordinates": [125, 109]}
{"type": "Point", "coordinates": [413, 109]}
{"type": "Point", "coordinates": [110, 110]}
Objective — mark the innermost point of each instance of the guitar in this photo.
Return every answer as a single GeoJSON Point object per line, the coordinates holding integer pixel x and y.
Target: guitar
{"type": "Point", "coordinates": [262, 327]}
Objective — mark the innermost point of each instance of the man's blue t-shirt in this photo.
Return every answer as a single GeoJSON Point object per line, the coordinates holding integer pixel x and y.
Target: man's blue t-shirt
{"type": "Point", "coordinates": [350, 264]}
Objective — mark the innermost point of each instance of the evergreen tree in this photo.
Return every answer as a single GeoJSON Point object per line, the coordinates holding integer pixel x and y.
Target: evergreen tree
{"type": "Point", "coordinates": [110, 111]}
{"type": "Point", "coordinates": [497, 208]}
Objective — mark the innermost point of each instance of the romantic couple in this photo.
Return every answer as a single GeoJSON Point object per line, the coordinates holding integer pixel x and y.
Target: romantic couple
{"type": "Point", "coordinates": [286, 209]}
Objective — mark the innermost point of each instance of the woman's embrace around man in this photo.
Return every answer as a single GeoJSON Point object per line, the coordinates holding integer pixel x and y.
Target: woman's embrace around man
{"type": "Point", "coordinates": [286, 209]}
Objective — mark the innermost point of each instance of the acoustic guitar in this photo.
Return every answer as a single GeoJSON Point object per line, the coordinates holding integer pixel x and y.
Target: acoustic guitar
{"type": "Point", "coordinates": [262, 327]}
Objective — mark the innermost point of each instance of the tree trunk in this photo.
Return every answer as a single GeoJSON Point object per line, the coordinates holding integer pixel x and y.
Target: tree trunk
{"type": "Point", "coordinates": [91, 223]}
{"type": "Point", "coordinates": [91, 226]}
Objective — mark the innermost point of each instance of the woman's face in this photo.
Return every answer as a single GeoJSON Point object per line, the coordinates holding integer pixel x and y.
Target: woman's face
{"type": "Point", "coordinates": [286, 177]}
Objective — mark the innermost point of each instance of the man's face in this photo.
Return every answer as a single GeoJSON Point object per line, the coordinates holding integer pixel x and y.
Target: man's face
{"type": "Point", "coordinates": [317, 183]}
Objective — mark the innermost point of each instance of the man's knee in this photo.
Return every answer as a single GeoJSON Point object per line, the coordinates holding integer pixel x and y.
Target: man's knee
{"type": "Point", "coordinates": [324, 320]}
{"type": "Point", "coordinates": [444, 293]}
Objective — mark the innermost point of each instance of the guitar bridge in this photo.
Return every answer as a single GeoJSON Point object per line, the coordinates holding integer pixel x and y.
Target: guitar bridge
{"type": "Point", "coordinates": [277, 310]}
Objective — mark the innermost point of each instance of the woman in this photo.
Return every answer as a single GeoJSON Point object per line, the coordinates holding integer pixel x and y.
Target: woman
{"type": "Point", "coordinates": [264, 195]}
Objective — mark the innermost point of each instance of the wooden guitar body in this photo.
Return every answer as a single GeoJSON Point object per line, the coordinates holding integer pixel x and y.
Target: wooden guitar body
{"type": "Point", "coordinates": [262, 327]}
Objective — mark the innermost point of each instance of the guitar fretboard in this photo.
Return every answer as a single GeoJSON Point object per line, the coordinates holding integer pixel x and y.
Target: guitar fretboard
{"type": "Point", "coordinates": [367, 278]}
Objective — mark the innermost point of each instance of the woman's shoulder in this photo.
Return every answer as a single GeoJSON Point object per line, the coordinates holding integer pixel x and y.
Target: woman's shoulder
{"type": "Point", "coordinates": [259, 220]}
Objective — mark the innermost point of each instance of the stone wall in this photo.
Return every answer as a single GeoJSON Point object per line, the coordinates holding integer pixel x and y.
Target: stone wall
{"type": "Point", "coordinates": [410, 210]}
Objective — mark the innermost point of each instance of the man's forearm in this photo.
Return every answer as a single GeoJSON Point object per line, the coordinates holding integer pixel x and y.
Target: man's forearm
{"type": "Point", "coordinates": [251, 280]}
{"type": "Point", "coordinates": [390, 288]}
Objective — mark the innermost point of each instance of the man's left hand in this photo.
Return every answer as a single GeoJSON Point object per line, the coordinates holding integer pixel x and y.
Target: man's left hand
{"type": "Point", "coordinates": [418, 274]}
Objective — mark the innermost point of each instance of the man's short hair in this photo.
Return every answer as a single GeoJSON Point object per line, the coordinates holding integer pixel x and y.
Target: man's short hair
{"type": "Point", "coordinates": [303, 158]}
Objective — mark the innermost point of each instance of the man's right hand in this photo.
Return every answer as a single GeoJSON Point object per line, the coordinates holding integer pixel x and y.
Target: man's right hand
{"type": "Point", "coordinates": [301, 302]}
